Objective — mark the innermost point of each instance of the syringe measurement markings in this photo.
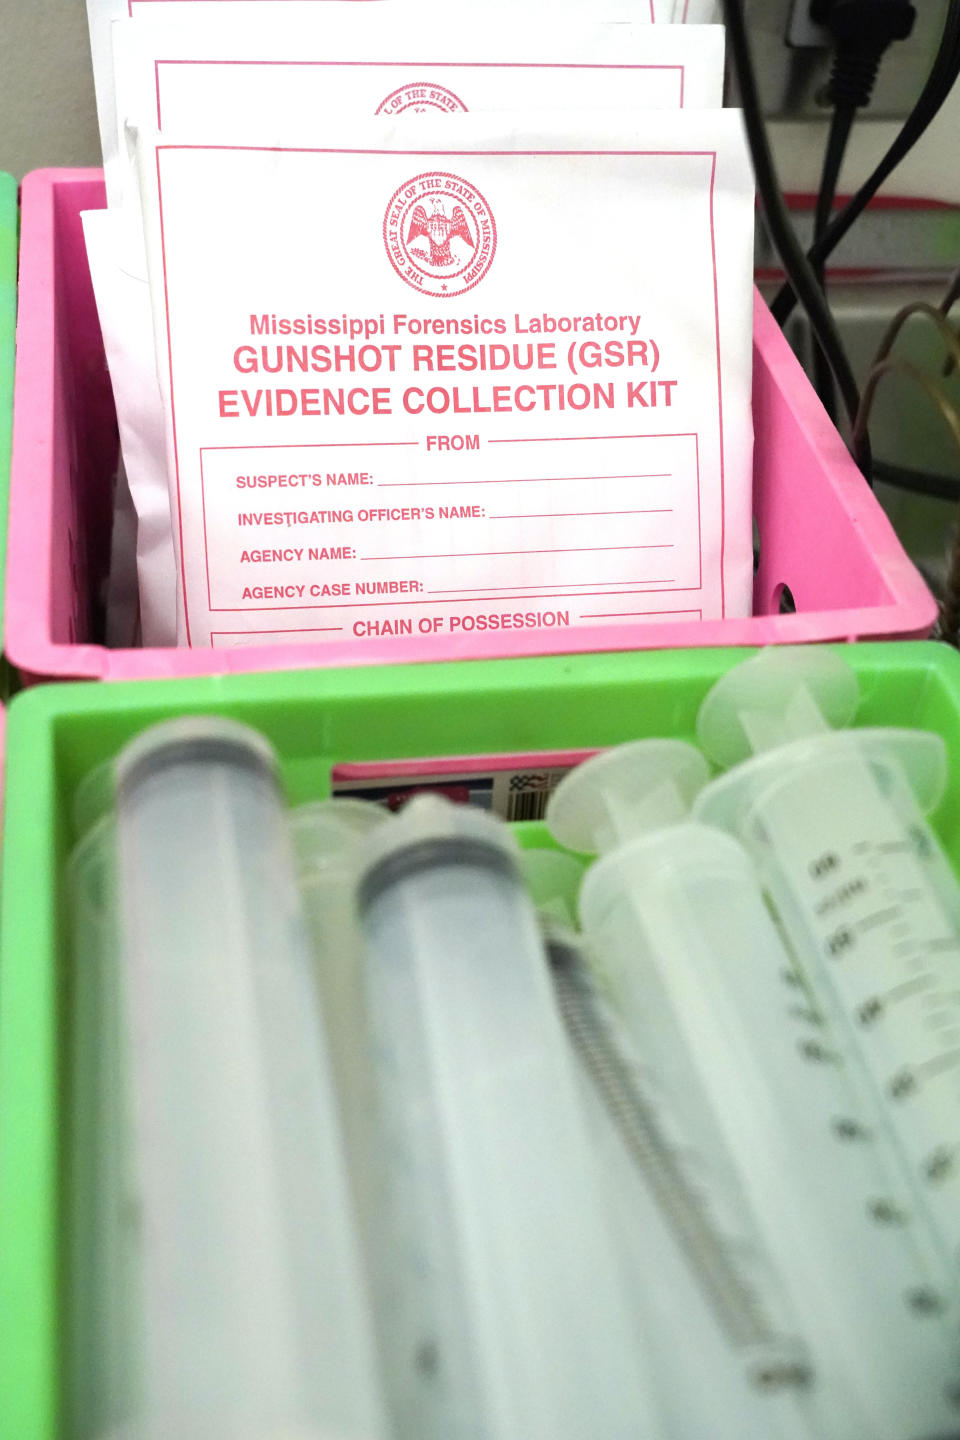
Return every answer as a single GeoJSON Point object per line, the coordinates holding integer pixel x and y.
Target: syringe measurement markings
{"type": "Point", "coordinates": [884, 1211]}
{"type": "Point", "coordinates": [900, 932]}
{"type": "Point", "coordinates": [939, 1165]}
{"type": "Point", "coordinates": [738, 1308]}
{"type": "Point", "coordinates": [875, 1007]}
{"type": "Point", "coordinates": [919, 985]}
{"type": "Point", "coordinates": [943, 996]}
{"type": "Point", "coordinates": [857, 885]}
{"type": "Point", "coordinates": [878, 917]}
{"type": "Point", "coordinates": [883, 1002]}
{"type": "Point", "coordinates": [908, 947]}
{"type": "Point", "coordinates": [849, 961]}
{"type": "Point", "coordinates": [941, 945]}
{"type": "Point", "coordinates": [806, 1016]}
{"type": "Point", "coordinates": [940, 1018]}
{"type": "Point", "coordinates": [939, 1064]}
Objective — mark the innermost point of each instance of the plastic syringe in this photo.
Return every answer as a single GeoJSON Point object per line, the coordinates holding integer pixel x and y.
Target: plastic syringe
{"type": "Point", "coordinates": [328, 838]}
{"type": "Point", "coordinates": [101, 1352]}
{"type": "Point", "coordinates": [697, 971]}
{"type": "Point", "coordinates": [501, 1307]}
{"type": "Point", "coordinates": [655, 1210]}
{"type": "Point", "coordinates": [835, 822]}
{"type": "Point", "coordinates": [252, 1305]}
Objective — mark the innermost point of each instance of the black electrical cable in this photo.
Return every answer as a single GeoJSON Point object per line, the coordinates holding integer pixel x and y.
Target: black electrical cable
{"type": "Point", "coordinates": [861, 32]}
{"type": "Point", "coordinates": [795, 262]}
{"type": "Point", "coordinates": [840, 126]}
{"type": "Point", "coordinates": [952, 295]}
{"type": "Point", "coordinates": [941, 80]}
{"type": "Point", "coordinates": [918, 482]}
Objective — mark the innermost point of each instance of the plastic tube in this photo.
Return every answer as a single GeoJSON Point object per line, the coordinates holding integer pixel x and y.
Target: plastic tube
{"type": "Point", "coordinates": [254, 1313]}
{"type": "Point", "coordinates": [864, 895]}
{"type": "Point", "coordinates": [503, 1312]}
{"type": "Point", "coordinates": [328, 838]}
{"type": "Point", "coordinates": [835, 825]}
{"type": "Point", "coordinates": [101, 1350]}
{"type": "Point", "coordinates": [753, 1087]}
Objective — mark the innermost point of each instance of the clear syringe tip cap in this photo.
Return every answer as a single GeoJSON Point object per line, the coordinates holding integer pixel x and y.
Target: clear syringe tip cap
{"type": "Point", "coordinates": [783, 708]}
{"type": "Point", "coordinates": [780, 695]}
{"type": "Point", "coordinates": [328, 835]}
{"type": "Point", "coordinates": [553, 879]}
{"type": "Point", "coordinates": [626, 792]}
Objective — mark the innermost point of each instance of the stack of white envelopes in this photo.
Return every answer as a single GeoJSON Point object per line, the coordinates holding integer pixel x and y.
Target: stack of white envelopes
{"type": "Point", "coordinates": [423, 323]}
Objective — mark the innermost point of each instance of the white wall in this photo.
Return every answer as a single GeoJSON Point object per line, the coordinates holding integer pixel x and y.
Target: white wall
{"type": "Point", "coordinates": [47, 114]}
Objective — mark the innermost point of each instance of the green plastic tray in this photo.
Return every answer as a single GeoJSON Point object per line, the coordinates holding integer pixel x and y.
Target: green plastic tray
{"type": "Point", "coordinates": [8, 331]}
{"type": "Point", "coordinates": [314, 719]}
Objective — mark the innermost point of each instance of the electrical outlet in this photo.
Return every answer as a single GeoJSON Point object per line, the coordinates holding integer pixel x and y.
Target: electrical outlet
{"type": "Point", "coordinates": [793, 66]}
{"type": "Point", "coordinates": [804, 33]}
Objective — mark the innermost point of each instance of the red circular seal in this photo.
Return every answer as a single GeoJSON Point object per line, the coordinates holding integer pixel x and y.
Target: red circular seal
{"type": "Point", "coordinates": [420, 97]}
{"type": "Point", "coordinates": [440, 234]}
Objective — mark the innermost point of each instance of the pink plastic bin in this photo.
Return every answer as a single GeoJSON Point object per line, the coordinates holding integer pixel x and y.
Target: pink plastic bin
{"type": "Point", "coordinates": [822, 534]}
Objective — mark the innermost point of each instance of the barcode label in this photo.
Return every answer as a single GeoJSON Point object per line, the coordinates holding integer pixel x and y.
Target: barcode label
{"type": "Point", "coordinates": [528, 795]}
{"type": "Point", "coordinates": [501, 786]}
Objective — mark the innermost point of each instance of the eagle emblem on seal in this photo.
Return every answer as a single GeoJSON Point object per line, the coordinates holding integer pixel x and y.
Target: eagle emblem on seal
{"type": "Point", "coordinates": [438, 229]}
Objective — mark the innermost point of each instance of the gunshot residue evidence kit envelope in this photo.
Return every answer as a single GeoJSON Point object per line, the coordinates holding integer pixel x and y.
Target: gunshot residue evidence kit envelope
{"type": "Point", "coordinates": [422, 330]}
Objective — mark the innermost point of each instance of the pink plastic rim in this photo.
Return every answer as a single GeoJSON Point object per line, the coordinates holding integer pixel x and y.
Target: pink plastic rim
{"type": "Point", "coordinates": [822, 533]}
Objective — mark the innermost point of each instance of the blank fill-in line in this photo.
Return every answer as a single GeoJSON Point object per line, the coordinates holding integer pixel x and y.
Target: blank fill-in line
{"type": "Point", "coordinates": [517, 480]}
{"type": "Point", "coordinates": [317, 445]}
{"type": "Point", "coordinates": [579, 514]}
{"type": "Point", "coordinates": [468, 596]}
{"type": "Point", "coordinates": [632, 614]}
{"type": "Point", "coordinates": [557, 439]}
{"type": "Point", "coordinates": [291, 630]}
{"type": "Point", "coordinates": [482, 554]}
{"type": "Point", "coordinates": [567, 585]}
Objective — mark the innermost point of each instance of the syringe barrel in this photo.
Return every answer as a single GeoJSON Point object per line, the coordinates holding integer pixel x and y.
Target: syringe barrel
{"type": "Point", "coordinates": [500, 1296]}
{"type": "Point", "coordinates": [255, 1318]}
{"type": "Point", "coordinates": [327, 838]}
{"type": "Point", "coordinates": [101, 1353]}
{"type": "Point", "coordinates": [679, 924]}
{"type": "Point", "coordinates": [870, 908]}
{"type": "Point", "coordinates": [658, 912]}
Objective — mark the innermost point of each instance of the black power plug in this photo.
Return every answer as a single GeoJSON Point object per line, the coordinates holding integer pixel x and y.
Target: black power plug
{"type": "Point", "coordinates": [862, 31]}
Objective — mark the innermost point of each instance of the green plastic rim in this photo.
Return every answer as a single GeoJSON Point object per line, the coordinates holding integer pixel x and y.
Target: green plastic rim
{"type": "Point", "coordinates": [313, 720]}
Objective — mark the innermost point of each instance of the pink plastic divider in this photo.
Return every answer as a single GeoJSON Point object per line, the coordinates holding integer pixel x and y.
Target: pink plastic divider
{"type": "Point", "coordinates": [3, 766]}
{"type": "Point", "coordinates": [822, 534]}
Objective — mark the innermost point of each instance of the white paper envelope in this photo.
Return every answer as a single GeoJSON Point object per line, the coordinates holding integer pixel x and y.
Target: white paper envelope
{"type": "Point", "coordinates": [697, 12]}
{"type": "Point", "coordinates": [263, 15]}
{"type": "Point", "coordinates": [242, 81]}
{"type": "Point", "coordinates": [453, 376]}
{"type": "Point", "coordinates": [189, 77]}
{"type": "Point", "coordinates": [126, 324]}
